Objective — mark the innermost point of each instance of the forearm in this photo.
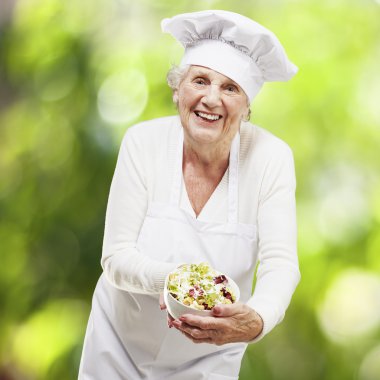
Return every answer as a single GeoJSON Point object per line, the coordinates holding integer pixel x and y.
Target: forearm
{"type": "Point", "coordinates": [272, 296]}
{"type": "Point", "coordinates": [132, 271]}
{"type": "Point", "coordinates": [278, 273]}
{"type": "Point", "coordinates": [123, 264]}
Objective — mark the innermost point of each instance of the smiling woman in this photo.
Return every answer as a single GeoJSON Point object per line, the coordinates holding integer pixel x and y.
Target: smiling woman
{"type": "Point", "coordinates": [202, 186]}
{"type": "Point", "coordinates": [211, 108]}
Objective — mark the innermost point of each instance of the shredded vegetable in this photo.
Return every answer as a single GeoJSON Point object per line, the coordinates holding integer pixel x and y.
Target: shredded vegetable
{"type": "Point", "coordinates": [200, 286]}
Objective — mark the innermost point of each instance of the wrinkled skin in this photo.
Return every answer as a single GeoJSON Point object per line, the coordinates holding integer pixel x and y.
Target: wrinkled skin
{"type": "Point", "coordinates": [229, 324]}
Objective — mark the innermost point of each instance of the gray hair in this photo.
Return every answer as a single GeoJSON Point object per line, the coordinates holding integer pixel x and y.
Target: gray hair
{"type": "Point", "coordinates": [176, 75]}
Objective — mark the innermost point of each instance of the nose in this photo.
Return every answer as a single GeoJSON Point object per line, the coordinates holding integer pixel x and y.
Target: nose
{"type": "Point", "coordinates": [212, 96]}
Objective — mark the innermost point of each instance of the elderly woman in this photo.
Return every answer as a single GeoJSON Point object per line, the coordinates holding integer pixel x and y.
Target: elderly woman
{"type": "Point", "coordinates": [204, 186]}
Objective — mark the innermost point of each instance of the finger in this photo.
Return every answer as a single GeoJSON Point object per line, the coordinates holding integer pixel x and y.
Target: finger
{"type": "Point", "coordinates": [170, 320]}
{"type": "Point", "coordinates": [227, 310]}
{"type": "Point", "coordinates": [204, 323]}
{"type": "Point", "coordinates": [195, 332]}
{"type": "Point", "coordinates": [162, 302]}
{"type": "Point", "coordinates": [197, 341]}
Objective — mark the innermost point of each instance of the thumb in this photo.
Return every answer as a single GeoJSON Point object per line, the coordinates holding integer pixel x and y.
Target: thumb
{"type": "Point", "coordinates": [162, 302]}
{"type": "Point", "coordinates": [226, 310]}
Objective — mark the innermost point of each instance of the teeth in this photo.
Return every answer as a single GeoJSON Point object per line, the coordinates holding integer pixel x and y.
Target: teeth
{"type": "Point", "coordinates": [207, 116]}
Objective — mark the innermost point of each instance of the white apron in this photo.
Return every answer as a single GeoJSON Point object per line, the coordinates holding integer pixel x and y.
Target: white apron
{"type": "Point", "coordinates": [127, 335]}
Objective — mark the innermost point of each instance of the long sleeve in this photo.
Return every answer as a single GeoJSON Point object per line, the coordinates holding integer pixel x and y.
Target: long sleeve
{"type": "Point", "coordinates": [123, 265]}
{"type": "Point", "coordinates": [278, 273]}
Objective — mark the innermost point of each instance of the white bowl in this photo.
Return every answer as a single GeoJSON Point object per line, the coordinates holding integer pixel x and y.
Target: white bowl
{"type": "Point", "coordinates": [176, 308]}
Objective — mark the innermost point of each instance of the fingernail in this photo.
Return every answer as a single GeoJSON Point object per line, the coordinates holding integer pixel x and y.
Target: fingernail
{"type": "Point", "coordinates": [216, 310]}
{"type": "Point", "coordinates": [183, 319]}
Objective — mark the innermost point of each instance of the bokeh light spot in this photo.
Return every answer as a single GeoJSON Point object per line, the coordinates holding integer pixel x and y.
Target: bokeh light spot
{"type": "Point", "coordinates": [370, 367]}
{"type": "Point", "coordinates": [351, 307]}
{"type": "Point", "coordinates": [123, 96]}
{"type": "Point", "coordinates": [365, 105]}
{"type": "Point", "coordinates": [54, 79]}
{"type": "Point", "coordinates": [77, 11]}
{"type": "Point", "coordinates": [55, 144]}
{"type": "Point", "coordinates": [342, 203]}
{"type": "Point", "coordinates": [47, 334]}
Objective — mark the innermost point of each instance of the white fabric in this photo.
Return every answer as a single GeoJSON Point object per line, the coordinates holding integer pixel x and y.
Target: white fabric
{"type": "Point", "coordinates": [141, 345]}
{"type": "Point", "coordinates": [233, 45]}
{"type": "Point", "coordinates": [144, 174]}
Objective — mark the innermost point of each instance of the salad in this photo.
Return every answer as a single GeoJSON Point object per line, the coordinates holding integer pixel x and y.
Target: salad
{"type": "Point", "coordinates": [200, 286]}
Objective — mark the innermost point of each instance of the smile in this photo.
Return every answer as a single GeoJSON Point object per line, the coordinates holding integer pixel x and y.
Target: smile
{"type": "Point", "coordinates": [208, 116]}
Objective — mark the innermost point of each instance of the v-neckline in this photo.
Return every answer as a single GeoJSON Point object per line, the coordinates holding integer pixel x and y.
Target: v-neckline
{"type": "Point", "coordinates": [229, 179]}
{"type": "Point", "coordinates": [218, 190]}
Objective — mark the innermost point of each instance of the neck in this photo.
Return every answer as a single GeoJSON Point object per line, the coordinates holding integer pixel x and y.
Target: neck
{"type": "Point", "coordinates": [206, 156]}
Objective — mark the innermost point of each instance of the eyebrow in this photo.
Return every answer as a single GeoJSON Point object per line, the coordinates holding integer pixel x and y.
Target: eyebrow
{"type": "Point", "coordinates": [228, 82]}
{"type": "Point", "coordinates": [199, 73]}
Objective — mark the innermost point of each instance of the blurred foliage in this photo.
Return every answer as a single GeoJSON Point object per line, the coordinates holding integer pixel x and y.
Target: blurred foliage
{"type": "Point", "coordinates": [75, 74]}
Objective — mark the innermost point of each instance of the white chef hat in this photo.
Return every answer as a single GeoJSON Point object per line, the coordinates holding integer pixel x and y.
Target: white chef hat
{"type": "Point", "coordinates": [232, 45]}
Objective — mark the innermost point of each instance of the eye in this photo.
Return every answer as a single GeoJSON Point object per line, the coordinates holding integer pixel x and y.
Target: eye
{"type": "Point", "coordinates": [232, 88]}
{"type": "Point", "coordinates": [199, 81]}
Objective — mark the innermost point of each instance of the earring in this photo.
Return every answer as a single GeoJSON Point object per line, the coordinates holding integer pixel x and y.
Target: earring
{"type": "Point", "coordinates": [175, 98]}
{"type": "Point", "coordinates": [247, 116]}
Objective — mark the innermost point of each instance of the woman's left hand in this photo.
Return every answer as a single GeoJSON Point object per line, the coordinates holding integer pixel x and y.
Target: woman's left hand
{"type": "Point", "coordinates": [229, 323]}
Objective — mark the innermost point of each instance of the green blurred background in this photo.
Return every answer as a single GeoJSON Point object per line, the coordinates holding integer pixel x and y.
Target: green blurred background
{"type": "Point", "coordinates": [75, 74]}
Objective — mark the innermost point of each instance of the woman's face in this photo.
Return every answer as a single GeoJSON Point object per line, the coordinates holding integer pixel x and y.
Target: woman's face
{"type": "Point", "coordinates": [211, 106]}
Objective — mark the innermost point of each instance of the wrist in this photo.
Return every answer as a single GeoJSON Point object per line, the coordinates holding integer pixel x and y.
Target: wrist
{"type": "Point", "coordinates": [257, 325]}
{"type": "Point", "coordinates": [260, 323]}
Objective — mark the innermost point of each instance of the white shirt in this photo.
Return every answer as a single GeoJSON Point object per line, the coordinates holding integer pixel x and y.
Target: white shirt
{"type": "Point", "coordinates": [144, 173]}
